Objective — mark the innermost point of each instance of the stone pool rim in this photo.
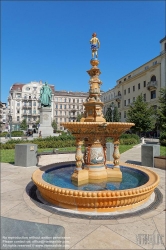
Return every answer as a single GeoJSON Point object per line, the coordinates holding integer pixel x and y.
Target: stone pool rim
{"type": "Point", "coordinates": [101, 201]}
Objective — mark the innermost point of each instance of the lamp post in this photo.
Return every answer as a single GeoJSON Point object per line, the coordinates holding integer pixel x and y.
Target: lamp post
{"type": "Point", "coordinates": [10, 122]}
{"type": "Point", "coordinates": [112, 108]}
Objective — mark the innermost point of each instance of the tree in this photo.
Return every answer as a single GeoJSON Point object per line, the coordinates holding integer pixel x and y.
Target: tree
{"type": "Point", "coordinates": [109, 112]}
{"type": "Point", "coordinates": [24, 125]}
{"type": "Point", "coordinates": [79, 116]}
{"type": "Point", "coordinates": [161, 112]}
{"type": "Point", "coordinates": [54, 125]}
{"type": "Point", "coordinates": [142, 115]}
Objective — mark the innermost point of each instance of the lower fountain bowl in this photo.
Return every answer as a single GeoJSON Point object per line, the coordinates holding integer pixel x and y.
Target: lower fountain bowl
{"type": "Point", "coordinates": [96, 201]}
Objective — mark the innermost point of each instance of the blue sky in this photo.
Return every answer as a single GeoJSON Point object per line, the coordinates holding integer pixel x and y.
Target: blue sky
{"type": "Point", "coordinates": [49, 40]}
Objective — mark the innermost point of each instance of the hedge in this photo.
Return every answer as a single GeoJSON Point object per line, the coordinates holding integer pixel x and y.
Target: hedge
{"type": "Point", "coordinates": [13, 133]}
{"type": "Point", "coordinates": [62, 141]}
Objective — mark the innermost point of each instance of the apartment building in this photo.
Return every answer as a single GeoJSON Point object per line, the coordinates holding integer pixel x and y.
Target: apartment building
{"type": "Point", "coordinates": [24, 102]}
{"type": "Point", "coordinates": [68, 105]}
{"type": "Point", "coordinates": [3, 116]}
{"type": "Point", "coordinates": [147, 80]}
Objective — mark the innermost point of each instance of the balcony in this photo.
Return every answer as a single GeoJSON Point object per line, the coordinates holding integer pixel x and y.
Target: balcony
{"type": "Point", "coordinates": [152, 85]}
{"type": "Point", "coordinates": [118, 98]}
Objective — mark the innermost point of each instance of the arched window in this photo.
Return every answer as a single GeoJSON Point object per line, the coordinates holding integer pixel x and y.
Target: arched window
{"type": "Point", "coordinates": [153, 78]}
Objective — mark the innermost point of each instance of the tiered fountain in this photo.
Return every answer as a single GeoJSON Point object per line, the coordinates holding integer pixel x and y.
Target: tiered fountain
{"type": "Point", "coordinates": [92, 167]}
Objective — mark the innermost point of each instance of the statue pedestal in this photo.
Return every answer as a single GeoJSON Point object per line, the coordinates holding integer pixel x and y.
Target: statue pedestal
{"type": "Point", "coordinates": [45, 122]}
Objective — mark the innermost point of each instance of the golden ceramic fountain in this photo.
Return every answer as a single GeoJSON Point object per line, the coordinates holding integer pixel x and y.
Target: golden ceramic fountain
{"type": "Point", "coordinates": [92, 131]}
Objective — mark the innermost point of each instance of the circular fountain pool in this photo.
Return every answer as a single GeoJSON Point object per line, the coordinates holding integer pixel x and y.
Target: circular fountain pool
{"type": "Point", "coordinates": [137, 185]}
{"type": "Point", "coordinates": [61, 177]}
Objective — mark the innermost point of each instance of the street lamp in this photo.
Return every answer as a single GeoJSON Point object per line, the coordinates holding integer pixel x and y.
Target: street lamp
{"type": "Point", "coordinates": [112, 108]}
{"type": "Point", "coordinates": [10, 122]}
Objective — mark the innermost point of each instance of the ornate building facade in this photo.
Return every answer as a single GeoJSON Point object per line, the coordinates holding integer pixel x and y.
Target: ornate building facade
{"type": "Point", "coordinates": [68, 105]}
{"type": "Point", "coordinates": [147, 80]}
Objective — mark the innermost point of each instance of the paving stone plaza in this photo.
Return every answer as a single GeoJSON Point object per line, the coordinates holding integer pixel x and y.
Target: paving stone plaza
{"type": "Point", "coordinates": [144, 230]}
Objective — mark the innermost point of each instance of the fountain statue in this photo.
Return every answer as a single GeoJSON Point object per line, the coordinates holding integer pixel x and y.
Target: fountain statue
{"type": "Point", "coordinates": [93, 130]}
{"type": "Point", "coordinates": [95, 184]}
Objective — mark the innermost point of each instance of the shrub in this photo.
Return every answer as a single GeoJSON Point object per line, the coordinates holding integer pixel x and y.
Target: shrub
{"type": "Point", "coordinates": [17, 133]}
{"type": "Point", "coordinates": [3, 134]}
{"type": "Point", "coordinates": [162, 139]}
{"type": "Point", "coordinates": [128, 141]}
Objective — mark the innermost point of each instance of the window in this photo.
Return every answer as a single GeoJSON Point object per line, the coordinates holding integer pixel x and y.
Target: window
{"type": "Point", "coordinates": [153, 78]}
{"type": "Point", "coordinates": [73, 106]}
{"type": "Point", "coordinates": [18, 111]}
{"type": "Point", "coordinates": [129, 76]}
{"type": "Point", "coordinates": [144, 83]}
{"type": "Point", "coordinates": [56, 99]}
{"type": "Point", "coordinates": [73, 100]}
{"type": "Point", "coordinates": [146, 67]}
{"type": "Point", "coordinates": [18, 104]}
{"type": "Point", "coordinates": [34, 88]}
{"type": "Point", "coordinates": [56, 113]}
{"type": "Point", "coordinates": [60, 112]}
{"type": "Point", "coordinates": [154, 63]}
{"type": "Point", "coordinates": [153, 94]}
{"type": "Point", "coordinates": [120, 115]}
{"type": "Point", "coordinates": [133, 99]}
{"type": "Point", "coordinates": [56, 106]}
{"type": "Point", "coordinates": [124, 102]}
{"type": "Point", "coordinates": [138, 85]}
{"type": "Point", "coordinates": [34, 104]}
{"type": "Point", "coordinates": [118, 104]}
{"type": "Point", "coordinates": [77, 106]}
{"type": "Point", "coordinates": [119, 81]}
{"type": "Point", "coordinates": [64, 106]}
{"type": "Point", "coordinates": [144, 97]}
{"type": "Point", "coordinates": [27, 88]}
{"type": "Point", "coordinates": [124, 114]}
{"type": "Point", "coordinates": [128, 101]}
{"type": "Point", "coordinates": [30, 111]}
{"type": "Point", "coordinates": [18, 118]}
{"type": "Point", "coordinates": [61, 106]}
{"type": "Point", "coordinates": [77, 100]}
{"type": "Point", "coordinates": [125, 92]}
{"type": "Point", "coordinates": [34, 111]}
{"type": "Point", "coordinates": [69, 100]}
{"type": "Point", "coordinates": [29, 97]}
{"type": "Point", "coordinates": [129, 90]}
{"type": "Point", "coordinates": [124, 79]}
{"type": "Point", "coordinates": [133, 88]}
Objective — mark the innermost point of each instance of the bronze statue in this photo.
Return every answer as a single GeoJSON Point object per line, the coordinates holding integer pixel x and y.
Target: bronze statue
{"type": "Point", "coordinates": [45, 95]}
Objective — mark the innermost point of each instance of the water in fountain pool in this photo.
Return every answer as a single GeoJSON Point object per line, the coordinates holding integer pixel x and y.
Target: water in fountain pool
{"type": "Point", "coordinates": [61, 177]}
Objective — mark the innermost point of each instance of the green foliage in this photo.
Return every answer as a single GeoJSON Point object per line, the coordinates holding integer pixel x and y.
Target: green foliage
{"type": "Point", "coordinates": [17, 133]}
{"type": "Point", "coordinates": [128, 141]}
{"type": "Point", "coordinates": [54, 125]}
{"type": "Point", "coordinates": [142, 115]}
{"type": "Point", "coordinates": [109, 112]}
{"type": "Point", "coordinates": [163, 138]}
{"type": "Point", "coordinates": [23, 125]}
{"type": "Point", "coordinates": [3, 134]}
{"type": "Point", "coordinates": [161, 112]}
{"type": "Point", "coordinates": [79, 116]}
{"type": "Point", "coordinates": [130, 136]}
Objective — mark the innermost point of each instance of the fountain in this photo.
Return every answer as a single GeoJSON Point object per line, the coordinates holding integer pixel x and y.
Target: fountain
{"type": "Point", "coordinates": [95, 184]}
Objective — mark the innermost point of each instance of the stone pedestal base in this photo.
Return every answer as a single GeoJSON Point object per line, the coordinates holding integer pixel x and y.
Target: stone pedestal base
{"type": "Point", "coordinates": [45, 122]}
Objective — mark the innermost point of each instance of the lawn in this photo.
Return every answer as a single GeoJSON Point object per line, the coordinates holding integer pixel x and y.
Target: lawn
{"type": "Point", "coordinates": [7, 155]}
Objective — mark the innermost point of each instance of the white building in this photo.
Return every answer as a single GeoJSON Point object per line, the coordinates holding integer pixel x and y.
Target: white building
{"type": "Point", "coordinates": [24, 102]}
{"type": "Point", "coordinates": [68, 105]}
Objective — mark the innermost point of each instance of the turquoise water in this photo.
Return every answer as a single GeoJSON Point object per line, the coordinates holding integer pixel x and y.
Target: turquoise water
{"type": "Point", "coordinates": [61, 177]}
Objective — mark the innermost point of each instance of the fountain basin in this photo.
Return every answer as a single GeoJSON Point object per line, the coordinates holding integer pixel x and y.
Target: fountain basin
{"type": "Point", "coordinates": [96, 201]}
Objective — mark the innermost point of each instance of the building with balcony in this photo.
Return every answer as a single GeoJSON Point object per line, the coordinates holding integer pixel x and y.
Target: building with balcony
{"type": "Point", "coordinates": [3, 116]}
{"type": "Point", "coordinates": [147, 80]}
{"type": "Point", "coordinates": [67, 106]}
{"type": "Point", "coordinates": [24, 102]}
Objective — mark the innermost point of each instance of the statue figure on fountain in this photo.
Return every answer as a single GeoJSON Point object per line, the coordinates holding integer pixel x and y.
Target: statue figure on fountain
{"type": "Point", "coordinates": [95, 45]}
